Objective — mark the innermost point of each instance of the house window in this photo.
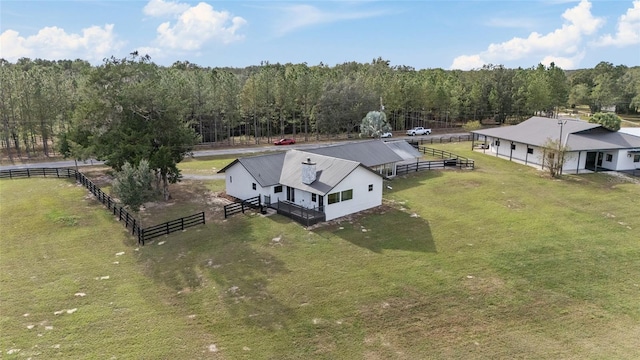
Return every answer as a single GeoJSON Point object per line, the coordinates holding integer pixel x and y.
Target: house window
{"type": "Point", "coordinates": [636, 158]}
{"type": "Point", "coordinates": [230, 179]}
{"type": "Point", "coordinates": [333, 198]}
{"type": "Point", "coordinates": [347, 195]}
{"type": "Point", "coordinates": [253, 186]}
{"type": "Point", "coordinates": [277, 189]}
{"type": "Point", "coordinates": [497, 142]}
{"type": "Point", "coordinates": [370, 187]}
{"type": "Point", "coordinates": [609, 157]}
{"type": "Point", "coordinates": [529, 150]}
{"type": "Point", "coordinates": [313, 197]}
{"type": "Point", "coordinates": [513, 146]}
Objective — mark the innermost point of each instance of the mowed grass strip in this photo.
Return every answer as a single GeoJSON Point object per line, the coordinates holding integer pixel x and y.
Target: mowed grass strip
{"type": "Point", "coordinates": [498, 262]}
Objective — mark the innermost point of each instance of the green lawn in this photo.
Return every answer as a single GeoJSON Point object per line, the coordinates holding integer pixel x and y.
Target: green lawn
{"type": "Point", "coordinates": [498, 262]}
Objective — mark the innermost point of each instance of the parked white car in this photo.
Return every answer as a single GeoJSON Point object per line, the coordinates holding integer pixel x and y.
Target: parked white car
{"type": "Point", "coordinates": [386, 135]}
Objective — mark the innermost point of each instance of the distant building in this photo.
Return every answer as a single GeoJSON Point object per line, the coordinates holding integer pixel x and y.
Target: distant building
{"type": "Point", "coordinates": [591, 146]}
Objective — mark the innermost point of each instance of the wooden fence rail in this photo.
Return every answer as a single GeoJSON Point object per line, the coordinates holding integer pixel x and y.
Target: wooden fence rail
{"type": "Point", "coordinates": [171, 226]}
{"type": "Point", "coordinates": [448, 160]}
{"type": "Point", "coordinates": [117, 209]}
{"type": "Point", "coordinates": [442, 139]}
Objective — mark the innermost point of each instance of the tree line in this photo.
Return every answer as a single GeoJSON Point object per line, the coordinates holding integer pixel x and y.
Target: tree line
{"type": "Point", "coordinates": [110, 109]}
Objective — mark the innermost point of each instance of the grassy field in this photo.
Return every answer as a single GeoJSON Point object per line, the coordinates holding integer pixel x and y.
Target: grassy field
{"type": "Point", "coordinates": [498, 262]}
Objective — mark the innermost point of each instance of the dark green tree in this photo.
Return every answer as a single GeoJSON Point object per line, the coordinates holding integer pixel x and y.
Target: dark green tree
{"type": "Point", "coordinates": [133, 185]}
{"type": "Point", "coordinates": [133, 113]}
{"type": "Point", "coordinates": [609, 121]}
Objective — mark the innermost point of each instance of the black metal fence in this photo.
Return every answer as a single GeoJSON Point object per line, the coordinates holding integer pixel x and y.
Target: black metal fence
{"type": "Point", "coordinates": [242, 206]}
{"type": "Point", "coordinates": [113, 206]}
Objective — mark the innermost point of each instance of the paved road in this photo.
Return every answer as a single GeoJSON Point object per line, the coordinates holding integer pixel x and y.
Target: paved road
{"type": "Point", "coordinates": [200, 153]}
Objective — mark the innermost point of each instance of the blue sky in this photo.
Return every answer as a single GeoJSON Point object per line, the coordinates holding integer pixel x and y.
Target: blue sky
{"type": "Point", "coordinates": [420, 34]}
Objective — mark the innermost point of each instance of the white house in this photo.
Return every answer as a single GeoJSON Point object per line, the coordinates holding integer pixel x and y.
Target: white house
{"type": "Point", "coordinates": [255, 176]}
{"type": "Point", "coordinates": [302, 184]}
{"type": "Point", "coordinates": [590, 146]}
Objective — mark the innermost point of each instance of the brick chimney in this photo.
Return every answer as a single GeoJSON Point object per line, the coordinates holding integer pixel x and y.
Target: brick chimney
{"type": "Point", "coordinates": [308, 172]}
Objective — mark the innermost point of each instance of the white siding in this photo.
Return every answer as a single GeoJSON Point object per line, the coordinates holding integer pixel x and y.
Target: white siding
{"type": "Point", "coordinates": [574, 161]}
{"type": "Point", "coordinates": [625, 162]}
{"type": "Point", "coordinates": [359, 181]}
{"type": "Point", "coordinates": [239, 182]}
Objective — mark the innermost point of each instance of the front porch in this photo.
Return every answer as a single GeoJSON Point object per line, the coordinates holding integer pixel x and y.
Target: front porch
{"type": "Point", "coordinates": [304, 216]}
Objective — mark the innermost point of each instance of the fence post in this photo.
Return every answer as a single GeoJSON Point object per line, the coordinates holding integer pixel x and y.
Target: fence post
{"type": "Point", "coordinates": [167, 227]}
{"type": "Point", "coordinates": [28, 173]}
{"type": "Point", "coordinates": [202, 213]}
{"type": "Point", "coordinates": [182, 223]}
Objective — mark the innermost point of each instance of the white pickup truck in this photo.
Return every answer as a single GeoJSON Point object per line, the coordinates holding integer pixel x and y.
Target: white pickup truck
{"type": "Point", "coordinates": [418, 131]}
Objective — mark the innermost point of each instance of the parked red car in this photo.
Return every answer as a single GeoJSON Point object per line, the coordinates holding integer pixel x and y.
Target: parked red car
{"type": "Point", "coordinates": [285, 142]}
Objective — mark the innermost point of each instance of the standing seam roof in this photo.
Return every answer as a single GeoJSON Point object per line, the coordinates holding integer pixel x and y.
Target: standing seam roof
{"type": "Point", "coordinates": [370, 152]}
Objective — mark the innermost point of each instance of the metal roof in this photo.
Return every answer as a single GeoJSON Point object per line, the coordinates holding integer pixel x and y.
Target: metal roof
{"type": "Point", "coordinates": [602, 140]}
{"type": "Point", "coordinates": [537, 130]}
{"type": "Point", "coordinates": [631, 131]}
{"type": "Point", "coordinates": [265, 169]}
{"type": "Point", "coordinates": [330, 171]}
{"type": "Point", "coordinates": [578, 135]}
{"type": "Point", "coordinates": [369, 152]}
{"type": "Point", "coordinates": [404, 149]}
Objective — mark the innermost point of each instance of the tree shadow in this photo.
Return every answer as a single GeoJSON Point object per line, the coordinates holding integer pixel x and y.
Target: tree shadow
{"type": "Point", "coordinates": [384, 228]}
{"type": "Point", "coordinates": [223, 268]}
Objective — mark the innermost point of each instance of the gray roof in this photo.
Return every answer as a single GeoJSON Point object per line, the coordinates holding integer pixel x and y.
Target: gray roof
{"type": "Point", "coordinates": [578, 135]}
{"type": "Point", "coordinates": [265, 169]}
{"type": "Point", "coordinates": [330, 171]}
{"type": "Point", "coordinates": [404, 149]}
{"type": "Point", "coordinates": [602, 139]}
{"type": "Point", "coordinates": [369, 152]}
{"type": "Point", "coordinates": [537, 130]}
{"type": "Point", "coordinates": [631, 131]}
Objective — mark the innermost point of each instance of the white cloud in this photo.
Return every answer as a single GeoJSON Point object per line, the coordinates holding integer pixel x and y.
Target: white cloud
{"type": "Point", "coordinates": [299, 16]}
{"type": "Point", "coordinates": [94, 44]}
{"type": "Point", "coordinates": [628, 32]}
{"type": "Point", "coordinates": [563, 62]}
{"type": "Point", "coordinates": [468, 62]}
{"type": "Point", "coordinates": [164, 8]}
{"type": "Point", "coordinates": [197, 25]}
{"type": "Point", "coordinates": [562, 44]}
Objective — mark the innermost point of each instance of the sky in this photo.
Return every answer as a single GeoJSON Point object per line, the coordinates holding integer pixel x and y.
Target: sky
{"type": "Point", "coordinates": [420, 34]}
